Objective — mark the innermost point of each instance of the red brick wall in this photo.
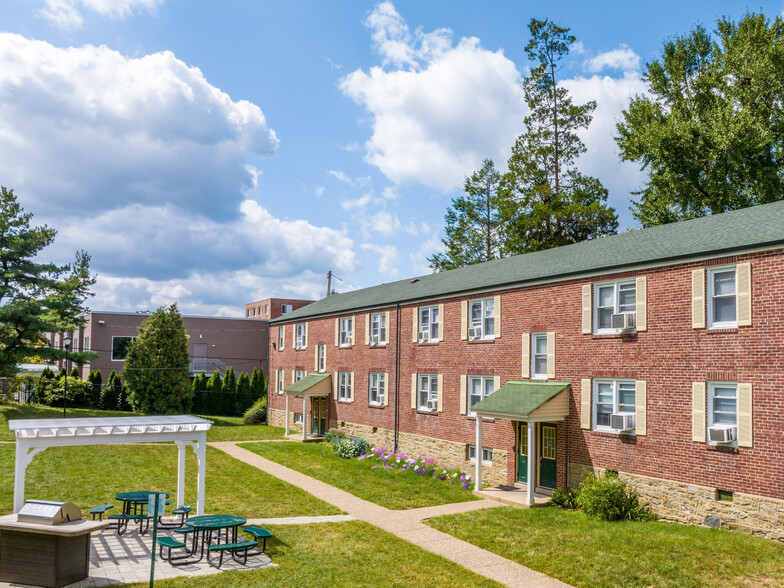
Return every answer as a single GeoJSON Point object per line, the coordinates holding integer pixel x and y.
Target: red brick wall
{"type": "Point", "coordinates": [669, 356]}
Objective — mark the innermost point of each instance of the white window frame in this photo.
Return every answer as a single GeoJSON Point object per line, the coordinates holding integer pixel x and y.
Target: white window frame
{"type": "Point", "coordinates": [376, 388]}
{"type": "Point", "coordinates": [488, 329]}
{"type": "Point", "coordinates": [378, 327]}
{"type": "Point", "coordinates": [346, 331]}
{"type": "Point", "coordinates": [299, 375]}
{"type": "Point", "coordinates": [298, 420]}
{"type": "Point", "coordinates": [616, 408]}
{"type": "Point", "coordinates": [120, 337]}
{"type": "Point", "coordinates": [286, 308]}
{"type": "Point", "coordinates": [427, 323]}
{"type": "Point", "coordinates": [86, 343]}
{"type": "Point", "coordinates": [535, 337]}
{"type": "Point", "coordinates": [713, 324]}
{"type": "Point", "coordinates": [427, 389]}
{"type": "Point", "coordinates": [301, 330]}
{"type": "Point", "coordinates": [247, 313]}
{"type": "Point", "coordinates": [484, 382]}
{"type": "Point", "coordinates": [344, 386]}
{"type": "Point", "coordinates": [281, 337]}
{"type": "Point", "coordinates": [322, 358]}
{"type": "Point", "coordinates": [711, 390]}
{"type": "Point", "coordinates": [279, 381]}
{"type": "Point", "coordinates": [487, 454]}
{"type": "Point", "coordinates": [266, 310]}
{"type": "Point", "coordinates": [617, 285]}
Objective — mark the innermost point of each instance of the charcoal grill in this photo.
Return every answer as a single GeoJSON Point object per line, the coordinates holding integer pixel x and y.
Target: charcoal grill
{"type": "Point", "coordinates": [48, 512]}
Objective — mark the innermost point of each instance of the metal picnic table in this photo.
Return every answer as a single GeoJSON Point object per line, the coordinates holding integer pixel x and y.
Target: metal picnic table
{"type": "Point", "coordinates": [205, 525]}
{"type": "Point", "coordinates": [133, 505]}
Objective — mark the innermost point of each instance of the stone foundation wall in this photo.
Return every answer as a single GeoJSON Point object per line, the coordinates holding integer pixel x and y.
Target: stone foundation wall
{"type": "Point", "coordinates": [446, 453]}
{"type": "Point", "coordinates": [699, 505]}
{"type": "Point", "coordinates": [277, 418]}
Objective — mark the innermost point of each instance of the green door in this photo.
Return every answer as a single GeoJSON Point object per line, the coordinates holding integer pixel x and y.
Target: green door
{"type": "Point", "coordinates": [547, 452]}
{"type": "Point", "coordinates": [323, 417]}
{"type": "Point", "coordinates": [522, 452]}
{"type": "Point", "coordinates": [319, 413]}
{"type": "Point", "coordinates": [314, 411]}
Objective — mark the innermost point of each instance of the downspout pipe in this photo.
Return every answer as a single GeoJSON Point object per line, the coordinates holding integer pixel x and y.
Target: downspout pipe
{"type": "Point", "coordinates": [397, 369]}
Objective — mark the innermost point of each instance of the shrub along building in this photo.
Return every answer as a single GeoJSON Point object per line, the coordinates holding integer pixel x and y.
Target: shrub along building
{"type": "Point", "coordinates": [656, 353]}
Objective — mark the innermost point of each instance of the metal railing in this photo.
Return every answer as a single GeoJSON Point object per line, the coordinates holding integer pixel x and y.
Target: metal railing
{"type": "Point", "coordinates": [208, 365]}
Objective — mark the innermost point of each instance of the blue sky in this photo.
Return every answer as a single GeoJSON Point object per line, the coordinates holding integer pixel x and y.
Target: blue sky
{"type": "Point", "coordinates": [214, 153]}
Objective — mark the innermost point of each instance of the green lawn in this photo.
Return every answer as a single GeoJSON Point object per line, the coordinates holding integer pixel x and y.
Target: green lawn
{"type": "Point", "coordinates": [231, 429]}
{"type": "Point", "coordinates": [583, 551]}
{"type": "Point", "coordinates": [391, 489]}
{"type": "Point", "coordinates": [35, 411]}
{"type": "Point", "coordinates": [92, 475]}
{"type": "Point", "coordinates": [342, 554]}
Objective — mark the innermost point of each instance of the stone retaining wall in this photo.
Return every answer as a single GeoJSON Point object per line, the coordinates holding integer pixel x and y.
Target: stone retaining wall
{"type": "Point", "coordinates": [277, 418]}
{"type": "Point", "coordinates": [699, 505]}
{"type": "Point", "coordinates": [445, 453]}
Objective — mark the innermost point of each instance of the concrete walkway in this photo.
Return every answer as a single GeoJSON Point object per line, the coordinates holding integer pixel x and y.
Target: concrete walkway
{"type": "Point", "coordinates": [406, 524]}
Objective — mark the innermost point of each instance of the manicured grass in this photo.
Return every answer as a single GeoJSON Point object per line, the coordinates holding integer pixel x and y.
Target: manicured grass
{"type": "Point", "coordinates": [232, 429]}
{"type": "Point", "coordinates": [583, 551]}
{"type": "Point", "coordinates": [35, 411]}
{"type": "Point", "coordinates": [342, 554]}
{"type": "Point", "coordinates": [391, 489]}
{"type": "Point", "coordinates": [93, 475]}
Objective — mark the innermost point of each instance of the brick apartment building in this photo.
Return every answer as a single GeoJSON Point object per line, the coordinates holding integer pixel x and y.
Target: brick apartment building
{"type": "Point", "coordinates": [272, 308]}
{"type": "Point", "coordinates": [658, 353]}
{"type": "Point", "coordinates": [214, 343]}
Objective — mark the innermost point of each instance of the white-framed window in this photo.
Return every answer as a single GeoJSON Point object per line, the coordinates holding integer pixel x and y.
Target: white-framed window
{"type": "Point", "coordinates": [86, 344]}
{"type": "Point", "coordinates": [722, 403]}
{"type": "Point", "coordinates": [539, 356]}
{"type": "Point", "coordinates": [286, 308]}
{"type": "Point", "coordinates": [281, 337]}
{"type": "Point", "coordinates": [301, 337]}
{"type": "Point", "coordinates": [254, 311]}
{"type": "Point", "coordinates": [346, 331]}
{"type": "Point", "coordinates": [613, 397]}
{"type": "Point", "coordinates": [378, 328]}
{"type": "Point", "coordinates": [428, 324]}
{"type": "Point", "coordinates": [322, 358]}
{"type": "Point", "coordinates": [266, 310]}
{"type": "Point", "coordinates": [298, 375]}
{"type": "Point", "coordinates": [427, 392]}
{"type": "Point", "coordinates": [344, 386]}
{"type": "Point", "coordinates": [376, 388]}
{"type": "Point", "coordinates": [120, 347]}
{"type": "Point", "coordinates": [487, 454]}
{"type": "Point", "coordinates": [479, 387]}
{"type": "Point", "coordinates": [722, 297]}
{"type": "Point", "coordinates": [297, 418]}
{"type": "Point", "coordinates": [247, 313]}
{"type": "Point", "coordinates": [611, 298]}
{"type": "Point", "coordinates": [481, 319]}
{"type": "Point", "coordinates": [279, 381]}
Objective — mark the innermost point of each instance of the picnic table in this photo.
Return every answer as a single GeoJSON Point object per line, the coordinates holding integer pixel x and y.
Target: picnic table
{"type": "Point", "coordinates": [133, 509]}
{"type": "Point", "coordinates": [223, 526]}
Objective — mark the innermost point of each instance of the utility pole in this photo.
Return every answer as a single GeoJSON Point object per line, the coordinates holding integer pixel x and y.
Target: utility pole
{"type": "Point", "coordinates": [329, 282]}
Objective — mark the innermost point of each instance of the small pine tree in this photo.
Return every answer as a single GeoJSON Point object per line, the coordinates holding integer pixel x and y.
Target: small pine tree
{"type": "Point", "coordinates": [75, 373]}
{"type": "Point", "coordinates": [243, 385]}
{"type": "Point", "coordinates": [200, 382]}
{"type": "Point", "coordinates": [215, 384]}
{"type": "Point", "coordinates": [109, 395]}
{"type": "Point", "coordinates": [122, 396]}
{"type": "Point", "coordinates": [61, 373]}
{"type": "Point", "coordinates": [47, 373]}
{"type": "Point", "coordinates": [229, 381]}
{"type": "Point", "coordinates": [257, 384]}
{"type": "Point", "coordinates": [96, 380]}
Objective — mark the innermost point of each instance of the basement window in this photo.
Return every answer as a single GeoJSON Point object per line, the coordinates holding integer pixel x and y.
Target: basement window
{"type": "Point", "coordinates": [724, 495]}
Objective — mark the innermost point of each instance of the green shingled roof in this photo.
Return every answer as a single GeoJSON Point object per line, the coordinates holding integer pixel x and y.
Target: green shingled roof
{"type": "Point", "coordinates": [758, 226]}
{"type": "Point", "coordinates": [519, 398]}
{"type": "Point", "coordinates": [306, 383]}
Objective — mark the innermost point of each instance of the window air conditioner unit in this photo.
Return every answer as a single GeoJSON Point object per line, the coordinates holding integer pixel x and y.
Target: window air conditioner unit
{"type": "Point", "coordinates": [622, 422]}
{"type": "Point", "coordinates": [373, 340]}
{"type": "Point", "coordinates": [432, 405]}
{"type": "Point", "coordinates": [625, 321]}
{"type": "Point", "coordinates": [723, 433]}
{"type": "Point", "coordinates": [424, 337]}
{"type": "Point", "coordinates": [475, 333]}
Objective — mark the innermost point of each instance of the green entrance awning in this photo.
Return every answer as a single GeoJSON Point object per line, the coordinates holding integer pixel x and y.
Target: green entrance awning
{"type": "Point", "coordinates": [311, 385]}
{"type": "Point", "coordinates": [526, 400]}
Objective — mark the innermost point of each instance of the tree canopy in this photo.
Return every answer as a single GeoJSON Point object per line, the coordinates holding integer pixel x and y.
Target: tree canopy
{"type": "Point", "coordinates": [156, 367]}
{"type": "Point", "coordinates": [710, 130]}
{"type": "Point", "coordinates": [35, 297]}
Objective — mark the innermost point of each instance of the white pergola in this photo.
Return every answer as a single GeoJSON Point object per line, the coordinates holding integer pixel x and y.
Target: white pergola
{"type": "Point", "coordinates": [35, 435]}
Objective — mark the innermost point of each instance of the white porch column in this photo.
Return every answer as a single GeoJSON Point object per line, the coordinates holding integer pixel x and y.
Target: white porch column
{"type": "Point", "coordinates": [529, 499]}
{"type": "Point", "coordinates": [287, 416]}
{"type": "Point", "coordinates": [201, 454]}
{"type": "Point", "coordinates": [304, 417]}
{"type": "Point", "coordinates": [180, 474]}
{"type": "Point", "coordinates": [19, 474]}
{"type": "Point", "coordinates": [478, 453]}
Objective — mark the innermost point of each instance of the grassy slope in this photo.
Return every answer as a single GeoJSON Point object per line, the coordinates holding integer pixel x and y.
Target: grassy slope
{"type": "Point", "coordinates": [391, 489]}
{"type": "Point", "coordinates": [586, 552]}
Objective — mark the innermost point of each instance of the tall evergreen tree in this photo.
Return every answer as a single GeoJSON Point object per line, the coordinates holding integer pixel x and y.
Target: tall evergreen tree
{"type": "Point", "coordinates": [215, 384]}
{"type": "Point", "coordinates": [243, 385]}
{"type": "Point", "coordinates": [96, 381]}
{"type": "Point", "coordinates": [710, 128]}
{"type": "Point", "coordinates": [75, 373]}
{"type": "Point", "coordinates": [229, 381]}
{"type": "Point", "coordinates": [200, 382]}
{"type": "Point", "coordinates": [551, 202]}
{"type": "Point", "coordinates": [474, 222]}
{"type": "Point", "coordinates": [110, 393]}
{"type": "Point", "coordinates": [257, 383]}
{"type": "Point", "coordinates": [156, 367]}
{"type": "Point", "coordinates": [35, 298]}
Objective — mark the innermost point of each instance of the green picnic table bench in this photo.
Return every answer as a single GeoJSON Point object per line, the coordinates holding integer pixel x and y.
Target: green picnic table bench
{"type": "Point", "coordinates": [171, 543]}
{"type": "Point", "coordinates": [235, 548]}
{"type": "Point", "coordinates": [258, 533]}
{"type": "Point", "coordinates": [99, 510]}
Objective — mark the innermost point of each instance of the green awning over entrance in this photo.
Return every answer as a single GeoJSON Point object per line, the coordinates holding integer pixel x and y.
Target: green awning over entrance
{"type": "Point", "coordinates": [311, 385]}
{"type": "Point", "coordinates": [526, 400]}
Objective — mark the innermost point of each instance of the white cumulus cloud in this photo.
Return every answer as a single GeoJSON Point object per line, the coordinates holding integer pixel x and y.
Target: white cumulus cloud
{"type": "Point", "coordinates": [67, 14]}
{"type": "Point", "coordinates": [440, 108]}
{"type": "Point", "coordinates": [388, 258]}
{"type": "Point", "coordinates": [623, 58]}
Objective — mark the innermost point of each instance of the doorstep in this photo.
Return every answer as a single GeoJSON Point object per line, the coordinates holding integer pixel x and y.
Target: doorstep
{"type": "Point", "coordinates": [309, 439]}
{"type": "Point", "coordinates": [512, 495]}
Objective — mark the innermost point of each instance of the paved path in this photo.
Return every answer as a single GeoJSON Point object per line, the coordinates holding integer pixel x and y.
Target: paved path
{"type": "Point", "coordinates": [406, 524]}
